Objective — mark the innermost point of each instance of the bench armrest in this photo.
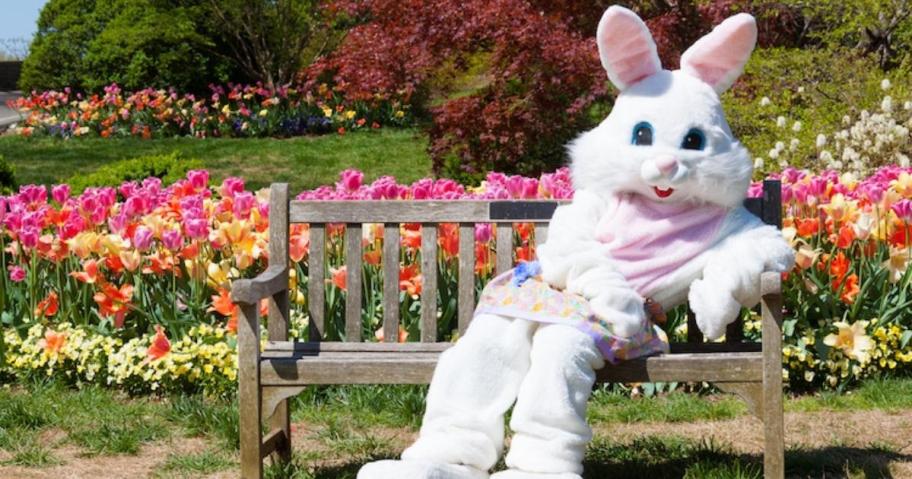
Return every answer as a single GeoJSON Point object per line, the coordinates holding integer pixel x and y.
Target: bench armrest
{"type": "Point", "coordinates": [266, 284]}
{"type": "Point", "coordinates": [771, 312]}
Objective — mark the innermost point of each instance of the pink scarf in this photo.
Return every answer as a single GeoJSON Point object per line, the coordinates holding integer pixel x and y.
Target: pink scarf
{"type": "Point", "coordinates": [650, 240]}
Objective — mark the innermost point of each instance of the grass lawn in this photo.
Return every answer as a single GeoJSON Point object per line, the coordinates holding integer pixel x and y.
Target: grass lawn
{"type": "Point", "coordinates": [304, 162]}
{"type": "Point", "coordinates": [47, 430]}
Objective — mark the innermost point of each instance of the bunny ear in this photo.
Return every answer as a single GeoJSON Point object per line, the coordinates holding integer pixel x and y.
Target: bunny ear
{"type": "Point", "coordinates": [719, 57]}
{"type": "Point", "coordinates": [626, 47]}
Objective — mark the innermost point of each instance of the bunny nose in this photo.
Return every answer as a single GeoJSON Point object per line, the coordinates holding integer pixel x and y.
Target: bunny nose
{"type": "Point", "coordinates": [667, 164]}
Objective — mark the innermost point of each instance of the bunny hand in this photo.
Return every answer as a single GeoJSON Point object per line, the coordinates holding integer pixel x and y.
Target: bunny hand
{"type": "Point", "coordinates": [731, 278]}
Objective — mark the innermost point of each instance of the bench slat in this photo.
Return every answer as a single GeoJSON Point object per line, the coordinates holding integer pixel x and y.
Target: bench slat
{"type": "Point", "coordinates": [429, 286]}
{"type": "Point", "coordinates": [504, 247]}
{"type": "Point", "coordinates": [541, 233]}
{"type": "Point", "coordinates": [337, 347]}
{"type": "Point", "coordinates": [353, 282]}
{"type": "Point", "coordinates": [398, 368]}
{"type": "Point", "coordinates": [466, 306]}
{"type": "Point", "coordinates": [420, 211]}
{"type": "Point", "coordinates": [391, 282]}
{"type": "Point", "coordinates": [316, 299]}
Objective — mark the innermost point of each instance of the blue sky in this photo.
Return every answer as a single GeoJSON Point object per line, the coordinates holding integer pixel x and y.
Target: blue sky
{"type": "Point", "coordinates": [18, 17]}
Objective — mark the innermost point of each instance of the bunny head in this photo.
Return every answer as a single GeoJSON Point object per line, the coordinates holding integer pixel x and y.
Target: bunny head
{"type": "Point", "coordinates": [666, 137]}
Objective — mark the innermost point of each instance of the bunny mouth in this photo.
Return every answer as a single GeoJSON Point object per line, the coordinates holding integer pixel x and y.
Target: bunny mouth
{"type": "Point", "coordinates": [662, 193]}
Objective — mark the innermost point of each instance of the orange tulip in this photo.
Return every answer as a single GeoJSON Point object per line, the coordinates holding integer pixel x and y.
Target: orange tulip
{"type": "Point", "coordinates": [89, 274]}
{"type": "Point", "coordinates": [52, 342]}
{"type": "Point", "coordinates": [160, 346]}
{"type": "Point", "coordinates": [47, 307]}
{"type": "Point", "coordinates": [114, 301]}
{"type": "Point", "coordinates": [409, 280]}
{"type": "Point", "coordinates": [339, 276]}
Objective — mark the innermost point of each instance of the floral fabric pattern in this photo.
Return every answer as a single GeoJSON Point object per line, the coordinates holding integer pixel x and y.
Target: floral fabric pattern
{"type": "Point", "coordinates": [521, 293]}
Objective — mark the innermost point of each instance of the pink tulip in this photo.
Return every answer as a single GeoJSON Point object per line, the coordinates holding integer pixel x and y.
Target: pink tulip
{"type": "Point", "coordinates": [350, 180]}
{"type": "Point", "coordinates": [196, 228]}
{"type": "Point", "coordinates": [199, 179]}
{"type": "Point", "coordinates": [243, 203]}
{"type": "Point", "coordinates": [17, 274]}
{"type": "Point", "coordinates": [142, 238]}
{"type": "Point", "coordinates": [60, 193]}
{"type": "Point", "coordinates": [29, 237]}
{"type": "Point", "coordinates": [483, 232]}
{"type": "Point", "coordinates": [231, 186]}
{"type": "Point", "coordinates": [172, 240]}
{"type": "Point", "coordinates": [903, 209]}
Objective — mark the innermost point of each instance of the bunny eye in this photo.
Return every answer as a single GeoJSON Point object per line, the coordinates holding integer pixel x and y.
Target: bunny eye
{"type": "Point", "coordinates": [642, 134]}
{"type": "Point", "coordinates": [694, 140]}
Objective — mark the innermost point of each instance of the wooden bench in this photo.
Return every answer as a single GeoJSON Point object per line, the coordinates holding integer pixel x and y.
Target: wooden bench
{"type": "Point", "coordinates": [268, 377]}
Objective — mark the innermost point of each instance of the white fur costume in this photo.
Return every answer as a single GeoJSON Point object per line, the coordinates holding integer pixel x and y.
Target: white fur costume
{"type": "Point", "coordinates": [548, 370]}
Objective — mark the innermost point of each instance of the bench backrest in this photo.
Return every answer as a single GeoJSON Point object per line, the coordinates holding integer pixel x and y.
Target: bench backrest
{"type": "Point", "coordinates": [429, 214]}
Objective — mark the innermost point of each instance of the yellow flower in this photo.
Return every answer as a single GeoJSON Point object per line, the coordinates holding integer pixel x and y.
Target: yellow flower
{"type": "Point", "coordinates": [852, 340]}
{"type": "Point", "coordinates": [327, 112]}
{"type": "Point", "coordinates": [903, 185]}
{"type": "Point", "coordinates": [400, 114]}
{"type": "Point", "coordinates": [349, 114]}
{"type": "Point", "coordinates": [263, 112]}
{"type": "Point", "coordinates": [897, 264]}
{"type": "Point", "coordinates": [840, 209]}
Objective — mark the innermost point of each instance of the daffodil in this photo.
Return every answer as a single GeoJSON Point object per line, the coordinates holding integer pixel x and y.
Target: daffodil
{"type": "Point", "coordinates": [897, 264]}
{"type": "Point", "coordinates": [851, 340]}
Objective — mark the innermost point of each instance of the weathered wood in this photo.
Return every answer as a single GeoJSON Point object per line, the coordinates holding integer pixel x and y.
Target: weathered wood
{"type": "Point", "coordinates": [320, 347]}
{"type": "Point", "coordinates": [391, 282]}
{"type": "Point", "coordinates": [279, 314]}
{"type": "Point", "coordinates": [420, 211]}
{"type": "Point", "coordinates": [541, 233]}
{"type": "Point", "coordinates": [696, 348]}
{"type": "Point", "coordinates": [249, 407]}
{"type": "Point", "coordinates": [316, 299]}
{"type": "Point", "coordinates": [251, 291]}
{"type": "Point", "coordinates": [429, 286]}
{"type": "Point", "coordinates": [275, 441]}
{"type": "Point", "coordinates": [417, 368]}
{"type": "Point", "coordinates": [504, 247]}
{"type": "Point", "coordinates": [271, 398]}
{"type": "Point", "coordinates": [524, 211]}
{"type": "Point", "coordinates": [466, 285]}
{"type": "Point", "coordinates": [750, 393]}
{"type": "Point", "coordinates": [353, 257]}
{"type": "Point", "coordinates": [773, 421]}
{"type": "Point", "coordinates": [389, 211]}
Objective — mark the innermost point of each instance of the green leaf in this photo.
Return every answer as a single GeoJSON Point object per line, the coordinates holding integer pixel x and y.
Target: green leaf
{"type": "Point", "coordinates": [904, 339]}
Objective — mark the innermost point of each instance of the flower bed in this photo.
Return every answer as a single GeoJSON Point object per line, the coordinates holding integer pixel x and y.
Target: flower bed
{"type": "Point", "coordinates": [232, 111]}
{"type": "Point", "coordinates": [129, 286]}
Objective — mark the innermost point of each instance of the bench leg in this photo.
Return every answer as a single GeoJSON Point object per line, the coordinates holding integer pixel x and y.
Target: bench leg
{"type": "Point", "coordinates": [249, 407]}
{"type": "Point", "coordinates": [773, 432]}
{"type": "Point", "coordinates": [773, 420]}
{"type": "Point", "coordinates": [281, 419]}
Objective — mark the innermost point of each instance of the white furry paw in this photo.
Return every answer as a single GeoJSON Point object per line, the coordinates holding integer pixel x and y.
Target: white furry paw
{"type": "Point", "coordinates": [390, 469]}
{"type": "Point", "coordinates": [714, 308]}
{"type": "Point", "coordinates": [626, 317]}
{"type": "Point", "coordinates": [516, 474]}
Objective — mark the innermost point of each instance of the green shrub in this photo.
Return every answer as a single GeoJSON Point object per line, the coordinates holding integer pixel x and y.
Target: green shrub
{"type": "Point", "coordinates": [169, 168]}
{"type": "Point", "coordinates": [7, 180]}
{"type": "Point", "coordinates": [816, 87]}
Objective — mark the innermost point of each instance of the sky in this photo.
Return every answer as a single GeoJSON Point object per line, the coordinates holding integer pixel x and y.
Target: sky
{"type": "Point", "coordinates": [18, 18]}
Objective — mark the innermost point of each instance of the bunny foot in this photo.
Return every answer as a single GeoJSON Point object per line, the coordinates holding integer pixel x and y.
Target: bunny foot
{"type": "Point", "coordinates": [418, 470]}
{"type": "Point", "coordinates": [516, 474]}
{"type": "Point", "coordinates": [714, 308]}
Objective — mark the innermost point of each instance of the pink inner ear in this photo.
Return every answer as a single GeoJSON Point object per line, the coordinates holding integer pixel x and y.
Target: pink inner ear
{"type": "Point", "coordinates": [627, 50]}
{"type": "Point", "coordinates": [720, 56]}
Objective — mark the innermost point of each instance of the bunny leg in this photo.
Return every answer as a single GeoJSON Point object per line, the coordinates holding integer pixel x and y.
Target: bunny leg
{"type": "Point", "coordinates": [549, 419]}
{"type": "Point", "coordinates": [474, 384]}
